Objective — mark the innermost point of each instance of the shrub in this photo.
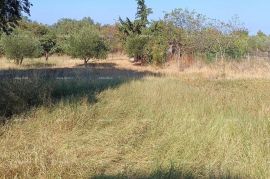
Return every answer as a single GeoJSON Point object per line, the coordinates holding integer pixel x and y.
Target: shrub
{"type": "Point", "coordinates": [136, 47]}
{"type": "Point", "coordinates": [158, 48]}
{"type": "Point", "coordinates": [147, 49]}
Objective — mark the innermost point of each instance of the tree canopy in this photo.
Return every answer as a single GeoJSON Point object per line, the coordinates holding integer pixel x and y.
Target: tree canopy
{"type": "Point", "coordinates": [87, 44]}
{"type": "Point", "coordinates": [127, 27]}
{"type": "Point", "coordinates": [11, 11]}
{"type": "Point", "coordinates": [20, 45]}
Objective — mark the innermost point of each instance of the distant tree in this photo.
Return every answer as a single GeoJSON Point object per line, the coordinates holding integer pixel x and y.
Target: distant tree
{"type": "Point", "coordinates": [239, 48]}
{"type": "Point", "coordinates": [261, 34]}
{"type": "Point", "coordinates": [127, 27]}
{"type": "Point", "coordinates": [35, 28]}
{"type": "Point", "coordinates": [261, 39]}
{"type": "Point", "coordinates": [11, 11]}
{"type": "Point", "coordinates": [87, 44]}
{"type": "Point", "coordinates": [136, 47]}
{"type": "Point", "coordinates": [64, 28]}
{"type": "Point", "coordinates": [132, 32]}
{"type": "Point", "coordinates": [112, 36]}
{"type": "Point", "coordinates": [20, 45]}
{"type": "Point", "coordinates": [48, 43]}
{"type": "Point", "coordinates": [186, 28]}
{"type": "Point", "coordinates": [158, 45]}
{"type": "Point", "coordinates": [143, 12]}
{"type": "Point", "coordinates": [44, 33]}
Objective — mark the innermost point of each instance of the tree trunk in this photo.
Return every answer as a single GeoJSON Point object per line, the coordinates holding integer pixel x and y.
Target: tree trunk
{"type": "Point", "coordinates": [21, 61]}
{"type": "Point", "coordinates": [136, 58]}
{"type": "Point", "coordinates": [178, 59]}
{"type": "Point", "coordinates": [85, 62]}
{"type": "Point", "coordinates": [46, 56]}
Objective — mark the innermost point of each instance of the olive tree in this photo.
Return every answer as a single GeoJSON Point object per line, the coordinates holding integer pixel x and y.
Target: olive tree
{"type": "Point", "coordinates": [87, 45]}
{"type": "Point", "coordinates": [48, 43]}
{"type": "Point", "coordinates": [19, 45]}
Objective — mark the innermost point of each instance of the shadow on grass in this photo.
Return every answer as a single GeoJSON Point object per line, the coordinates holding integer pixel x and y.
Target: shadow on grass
{"type": "Point", "coordinates": [91, 72]}
{"type": "Point", "coordinates": [98, 65]}
{"type": "Point", "coordinates": [21, 90]}
{"type": "Point", "coordinates": [39, 65]}
{"type": "Point", "coordinates": [170, 174]}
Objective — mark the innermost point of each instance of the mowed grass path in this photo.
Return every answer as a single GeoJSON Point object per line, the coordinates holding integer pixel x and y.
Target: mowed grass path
{"type": "Point", "coordinates": [155, 127]}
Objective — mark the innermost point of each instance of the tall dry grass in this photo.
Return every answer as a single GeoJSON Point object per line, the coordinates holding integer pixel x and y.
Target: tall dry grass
{"type": "Point", "coordinates": [148, 128]}
{"type": "Point", "coordinates": [208, 121]}
{"type": "Point", "coordinates": [53, 62]}
{"type": "Point", "coordinates": [242, 69]}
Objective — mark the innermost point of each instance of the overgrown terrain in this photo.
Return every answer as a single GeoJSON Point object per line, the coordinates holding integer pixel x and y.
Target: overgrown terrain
{"type": "Point", "coordinates": [185, 96]}
{"type": "Point", "coordinates": [144, 126]}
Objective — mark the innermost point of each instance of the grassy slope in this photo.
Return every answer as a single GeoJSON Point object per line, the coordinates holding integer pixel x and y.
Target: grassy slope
{"type": "Point", "coordinates": [154, 127]}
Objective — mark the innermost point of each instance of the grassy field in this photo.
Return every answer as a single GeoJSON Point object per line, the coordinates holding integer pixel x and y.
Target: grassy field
{"type": "Point", "coordinates": [140, 123]}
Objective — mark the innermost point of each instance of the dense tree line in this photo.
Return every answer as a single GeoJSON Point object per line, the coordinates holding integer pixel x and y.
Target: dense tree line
{"type": "Point", "coordinates": [78, 38]}
{"type": "Point", "coordinates": [181, 32]}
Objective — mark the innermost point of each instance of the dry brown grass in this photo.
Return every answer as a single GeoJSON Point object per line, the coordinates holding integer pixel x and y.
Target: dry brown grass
{"type": "Point", "coordinates": [187, 124]}
{"type": "Point", "coordinates": [255, 69]}
{"type": "Point", "coordinates": [204, 129]}
{"type": "Point", "coordinates": [53, 62]}
{"type": "Point", "coordinates": [252, 69]}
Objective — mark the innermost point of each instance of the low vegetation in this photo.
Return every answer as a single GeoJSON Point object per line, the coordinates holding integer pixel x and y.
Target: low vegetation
{"type": "Point", "coordinates": [153, 127]}
{"type": "Point", "coordinates": [200, 110]}
{"type": "Point", "coordinates": [168, 126]}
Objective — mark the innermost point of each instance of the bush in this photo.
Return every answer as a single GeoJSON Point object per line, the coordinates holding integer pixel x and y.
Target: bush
{"type": "Point", "coordinates": [148, 49]}
{"type": "Point", "coordinates": [86, 45]}
{"type": "Point", "coordinates": [20, 45]}
{"type": "Point", "coordinates": [136, 47]}
{"type": "Point", "coordinates": [158, 48]}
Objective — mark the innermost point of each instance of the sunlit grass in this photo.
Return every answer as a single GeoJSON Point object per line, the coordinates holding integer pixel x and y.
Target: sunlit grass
{"type": "Point", "coordinates": [150, 128]}
{"type": "Point", "coordinates": [53, 62]}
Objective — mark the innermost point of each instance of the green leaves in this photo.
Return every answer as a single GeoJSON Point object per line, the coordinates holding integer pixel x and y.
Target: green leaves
{"type": "Point", "coordinates": [147, 48]}
{"type": "Point", "coordinates": [145, 44]}
{"type": "Point", "coordinates": [142, 13]}
{"type": "Point", "coordinates": [87, 44]}
{"type": "Point", "coordinates": [48, 42]}
{"type": "Point", "coordinates": [136, 46]}
{"type": "Point", "coordinates": [20, 45]}
{"type": "Point", "coordinates": [129, 28]}
{"type": "Point", "coordinates": [11, 12]}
